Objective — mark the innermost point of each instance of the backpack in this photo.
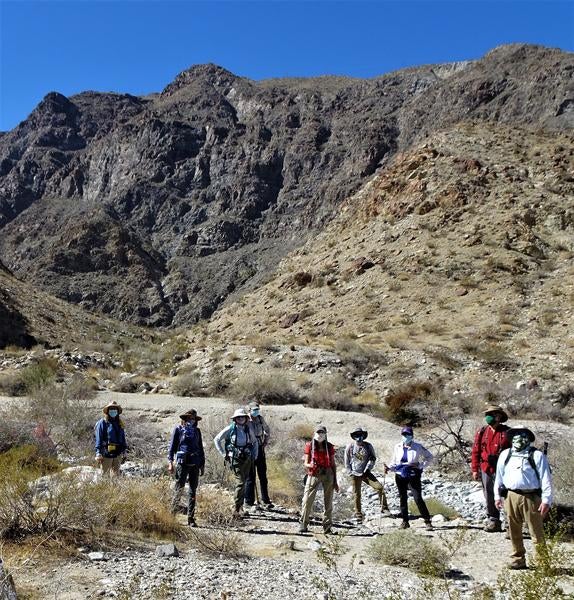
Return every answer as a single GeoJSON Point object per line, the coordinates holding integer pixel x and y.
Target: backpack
{"type": "Point", "coordinates": [237, 454]}
{"type": "Point", "coordinates": [190, 436]}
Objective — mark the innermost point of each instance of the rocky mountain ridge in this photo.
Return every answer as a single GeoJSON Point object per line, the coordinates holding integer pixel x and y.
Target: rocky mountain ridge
{"type": "Point", "coordinates": [156, 209]}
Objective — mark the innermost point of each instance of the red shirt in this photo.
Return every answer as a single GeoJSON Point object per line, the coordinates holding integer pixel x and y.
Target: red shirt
{"type": "Point", "coordinates": [322, 458]}
{"type": "Point", "coordinates": [488, 442]}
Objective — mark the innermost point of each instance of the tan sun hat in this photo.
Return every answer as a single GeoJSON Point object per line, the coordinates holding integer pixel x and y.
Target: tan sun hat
{"type": "Point", "coordinates": [240, 412]}
{"type": "Point", "coordinates": [112, 404]}
{"type": "Point", "coordinates": [190, 414]}
{"type": "Point", "coordinates": [494, 408]}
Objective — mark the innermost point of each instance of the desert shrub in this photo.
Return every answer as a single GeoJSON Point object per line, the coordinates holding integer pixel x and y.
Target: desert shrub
{"type": "Point", "coordinates": [81, 507]}
{"type": "Point", "coordinates": [128, 385]}
{"type": "Point", "coordinates": [272, 387]}
{"type": "Point", "coordinates": [301, 431]}
{"type": "Point", "coordinates": [36, 376]}
{"type": "Point", "coordinates": [436, 507]}
{"type": "Point", "coordinates": [399, 403]}
{"type": "Point", "coordinates": [188, 384]}
{"type": "Point", "coordinates": [11, 384]}
{"type": "Point", "coordinates": [14, 431]}
{"type": "Point", "coordinates": [336, 393]}
{"type": "Point", "coordinates": [214, 506]}
{"type": "Point", "coordinates": [358, 355]}
{"type": "Point", "coordinates": [67, 410]}
{"type": "Point", "coordinates": [407, 549]}
{"type": "Point", "coordinates": [217, 542]}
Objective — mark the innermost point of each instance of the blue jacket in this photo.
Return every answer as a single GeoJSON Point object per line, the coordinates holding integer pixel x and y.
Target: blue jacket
{"type": "Point", "coordinates": [193, 448]}
{"type": "Point", "coordinates": [110, 437]}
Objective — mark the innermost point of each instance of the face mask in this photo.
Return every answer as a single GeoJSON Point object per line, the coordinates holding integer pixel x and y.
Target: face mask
{"type": "Point", "coordinates": [407, 439]}
{"type": "Point", "coordinates": [519, 442]}
{"type": "Point", "coordinates": [360, 438]}
{"type": "Point", "coordinates": [320, 437]}
{"type": "Point", "coordinates": [255, 412]}
{"type": "Point", "coordinates": [190, 423]}
{"type": "Point", "coordinates": [489, 419]}
{"type": "Point", "coordinates": [113, 413]}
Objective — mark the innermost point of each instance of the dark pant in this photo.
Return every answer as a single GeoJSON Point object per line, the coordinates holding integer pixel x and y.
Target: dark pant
{"type": "Point", "coordinates": [259, 469]}
{"type": "Point", "coordinates": [414, 483]}
{"type": "Point", "coordinates": [184, 473]}
{"type": "Point", "coordinates": [488, 489]}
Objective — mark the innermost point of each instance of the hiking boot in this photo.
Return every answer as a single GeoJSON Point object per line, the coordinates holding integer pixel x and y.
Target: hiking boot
{"type": "Point", "coordinates": [429, 525]}
{"type": "Point", "coordinates": [330, 531]}
{"type": "Point", "coordinates": [268, 505]}
{"type": "Point", "coordinates": [238, 515]}
{"type": "Point", "coordinates": [404, 525]}
{"type": "Point", "coordinates": [493, 527]}
{"type": "Point", "coordinates": [517, 566]}
{"type": "Point", "coordinates": [192, 523]}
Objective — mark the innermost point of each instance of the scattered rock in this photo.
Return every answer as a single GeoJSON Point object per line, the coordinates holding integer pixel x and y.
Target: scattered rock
{"type": "Point", "coordinates": [166, 551]}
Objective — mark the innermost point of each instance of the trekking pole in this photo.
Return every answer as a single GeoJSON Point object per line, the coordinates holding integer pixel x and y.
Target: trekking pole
{"type": "Point", "coordinates": [256, 489]}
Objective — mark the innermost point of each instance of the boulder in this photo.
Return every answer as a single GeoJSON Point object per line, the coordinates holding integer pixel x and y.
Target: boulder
{"type": "Point", "coordinates": [166, 551]}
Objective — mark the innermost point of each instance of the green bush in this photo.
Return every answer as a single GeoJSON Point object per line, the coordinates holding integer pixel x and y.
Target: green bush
{"type": "Point", "coordinates": [36, 376]}
{"type": "Point", "coordinates": [272, 387]}
{"type": "Point", "coordinates": [403, 548]}
{"type": "Point", "coordinates": [188, 384]}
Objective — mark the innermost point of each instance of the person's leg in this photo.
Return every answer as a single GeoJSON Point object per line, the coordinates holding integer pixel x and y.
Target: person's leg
{"type": "Point", "coordinates": [116, 463]}
{"type": "Point", "coordinates": [180, 479]}
{"type": "Point", "coordinates": [402, 487]}
{"type": "Point", "coordinates": [416, 487]}
{"type": "Point", "coordinates": [535, 522]}
{"type": "Point", "coordinates": [250, 486]}
{"type": "Point", "coordinates": [106, 465]}
{"type": "Point", "coordinates": [308, 499]}
{"type": "Point", "coordinates": [514, 514]}
{"type": "Point", "coordinates": [371, 480]}
{"type": "Point", "coordinates": [241, 473]}
{"type": "Point", "coordinates": [262, 474]}
{"type": "Point", "coordinates": [491, 510]}
{"type": "Point", "coordinates": [328, 481]}
{"type": "Point", "coordinates": [357, 483]}
{"type": "Point", "coordinates": [193, 477]}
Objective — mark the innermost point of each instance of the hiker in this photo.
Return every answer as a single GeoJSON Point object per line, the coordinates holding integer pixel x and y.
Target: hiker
{"type": "Point", "coordinates": [186, 450]}
{"type": "Point", "coordinates": [259, 467]}
{"type": "Point", "coordinates": [110, 435]}
{"type": "Point", "coordinates": [238, 445]}
{"type": "Point", "coordinates": [523, 487]}
{"type": "Point", "coordinates": [360, 459]}
{"type": "Point", "coordinates": [319, 460]}
{"type": "Point", "coordinates": [409, 460]}
{"type": "Point", "coordinates": [489, 441]}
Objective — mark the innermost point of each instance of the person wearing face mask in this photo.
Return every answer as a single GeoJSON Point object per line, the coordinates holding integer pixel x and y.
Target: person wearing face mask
{"type": "Point", "coordinates": [489, 441]}
{"type": "Point", "coordinates": [523, 487]}
{"type": "Point", "coordinates": [319, 460]}
{"type": "Point", "coordinates": [409, 460]}
{"type": "Point", "coordinates": [360, 458]}
{"type": "Point", "coordinates": [186, 450]}
{"type": "Point", "coordinates": [238, 446]}
{"type": "Point", "coordinates": [110, 437]}
{"type": "Point", "coordinates": [259, 468]}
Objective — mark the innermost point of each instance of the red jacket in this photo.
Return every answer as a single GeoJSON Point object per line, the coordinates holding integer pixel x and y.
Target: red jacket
{"type": "Point", "coordinates": [320, 456]}
{"type": "Point", "coordinates": [488, 442]}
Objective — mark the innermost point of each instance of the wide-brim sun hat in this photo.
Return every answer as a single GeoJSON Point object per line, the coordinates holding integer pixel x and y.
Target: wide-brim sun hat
{"type": "Point", "coordinates": [190, 414]}
{"type": "Point", "coordinates": [112, 404]}
{"type": "Point", "coordinates": [359, 431]}
{"type": "Point", "coordinates": [517, 430]}
{"type": "Point", "coordinates": [240, 412]}
{"type": "Point", "coordinates": [494, 408]}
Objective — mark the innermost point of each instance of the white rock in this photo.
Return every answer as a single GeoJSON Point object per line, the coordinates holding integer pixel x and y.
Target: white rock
{"type": "Point", "coordinates": [438, 519]}
{"type": "Point", "coordinates": [96, 556]}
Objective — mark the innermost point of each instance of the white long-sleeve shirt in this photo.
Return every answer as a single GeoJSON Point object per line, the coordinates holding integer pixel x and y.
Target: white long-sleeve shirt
{"type": "Point", "coordinates": [518, 474]}
{"type": "Point", "coordinates": [417, 456]}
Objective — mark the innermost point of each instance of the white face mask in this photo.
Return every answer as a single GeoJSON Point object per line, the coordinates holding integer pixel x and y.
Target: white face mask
{"type": "Point", "coordinates": [320, 437]}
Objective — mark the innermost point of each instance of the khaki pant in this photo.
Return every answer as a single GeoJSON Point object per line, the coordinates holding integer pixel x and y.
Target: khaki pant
{"type": "Point", "coordinates": [523, 508]}
{"type": "Point", "coordinates": [326, 478]}
{"type": "Point", "coordinates": [368, 478]}
{"type": "Point", "coordinates": [111, 466]}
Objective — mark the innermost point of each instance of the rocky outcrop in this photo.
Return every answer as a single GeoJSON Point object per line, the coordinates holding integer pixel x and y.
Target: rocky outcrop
{"type": "Point", "coordinates": [157, 209]}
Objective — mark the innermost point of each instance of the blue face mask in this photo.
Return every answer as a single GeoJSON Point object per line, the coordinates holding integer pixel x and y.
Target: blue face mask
{"type": "Point", "coordinates": [113, 413]}
{"type": "Point", "coordinates": [255, 412]}
{"type": "Point", "coordinates": [191, 423]}
{"type": "Point", "coordinates": [407, 439]}
{"type": "Point", "coordinates": [360, 438]}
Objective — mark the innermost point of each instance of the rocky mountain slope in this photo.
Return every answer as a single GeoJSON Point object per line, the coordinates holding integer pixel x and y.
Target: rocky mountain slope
{"type": "Point", "coordinates": [457, 258]}
{"type": "Point", "coordinates": [156, 209]}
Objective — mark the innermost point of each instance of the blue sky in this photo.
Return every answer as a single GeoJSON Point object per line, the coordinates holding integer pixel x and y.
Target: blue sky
{"type": "Point", "coordinates": [137, 47]}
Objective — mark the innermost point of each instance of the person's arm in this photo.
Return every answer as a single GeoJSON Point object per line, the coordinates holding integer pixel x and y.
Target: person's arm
{"type": "Point", "coordinates": [266, 432]}
{"type": "Point", "coordinates": [545, 481]}
{"type": "Point", "coordinates": [201, 453]}
{"type": "Point", "coordinates": [475, 455]}
{"type": "Point", "coordinates": [372, 458]}
{"type": "Point", "coordinates": [348, 459]}
{"type": "Point", "coordinates": [307, 460]}
{"type": "Point", "coordinates": [253, 440]}
{"type": "Point", "coordinates": [219, 440]}
{"type": "Point", "coordinates": [334, 467]}
{"type": "Point", "coordinates": [99, 433]}
{"type": "Point", "coordinates": [498, 478]}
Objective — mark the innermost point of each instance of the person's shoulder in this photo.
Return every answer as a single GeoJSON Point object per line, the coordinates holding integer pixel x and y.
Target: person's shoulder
{"type": "Point", "coordinates": [504, 453]}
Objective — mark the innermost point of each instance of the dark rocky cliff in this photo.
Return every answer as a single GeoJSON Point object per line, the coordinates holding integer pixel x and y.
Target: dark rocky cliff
{"type": "Point", "coordinates": [157, 209]}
